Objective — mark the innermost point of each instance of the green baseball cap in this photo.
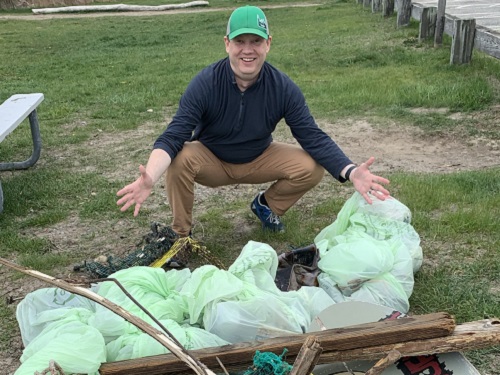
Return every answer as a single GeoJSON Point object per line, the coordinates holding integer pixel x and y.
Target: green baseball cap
{"type": "Point", "coordinates": [247, 20]}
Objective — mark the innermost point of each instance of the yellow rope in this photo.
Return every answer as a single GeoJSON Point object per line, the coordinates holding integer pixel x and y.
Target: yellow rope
{"type": "Point", "coordinates": [176, 247]}
{"type": "Point", "coordinates": [187, 244]}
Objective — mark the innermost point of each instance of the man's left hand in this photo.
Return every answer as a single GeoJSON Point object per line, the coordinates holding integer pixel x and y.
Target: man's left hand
{"type": "Point", "coordinates": [368, 184]}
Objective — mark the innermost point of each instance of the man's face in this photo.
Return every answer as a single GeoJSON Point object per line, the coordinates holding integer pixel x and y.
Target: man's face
{"type": "Point", "coordinates": [247, 53]}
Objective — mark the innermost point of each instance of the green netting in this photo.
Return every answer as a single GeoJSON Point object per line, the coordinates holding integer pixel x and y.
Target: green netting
{"type": "Point", "coordinates": [268, 363]}
{"type": "Point", "coordinates": [158, 242]}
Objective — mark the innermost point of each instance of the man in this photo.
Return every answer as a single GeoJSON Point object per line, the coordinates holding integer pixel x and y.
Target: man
{"type": "Point", "coordinates": [221, 135]}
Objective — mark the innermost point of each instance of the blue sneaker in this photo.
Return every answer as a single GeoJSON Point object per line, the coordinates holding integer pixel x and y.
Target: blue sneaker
{"type": "Point", "coordinates": [268, 218]}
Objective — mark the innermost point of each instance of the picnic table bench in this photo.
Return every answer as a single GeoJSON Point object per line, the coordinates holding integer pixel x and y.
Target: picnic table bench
{"type": "Point", "coordinates": [12, 113]}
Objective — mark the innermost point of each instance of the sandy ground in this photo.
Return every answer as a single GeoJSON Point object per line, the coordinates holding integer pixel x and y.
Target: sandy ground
{"type": "Point", "coordinates": [395, 149]}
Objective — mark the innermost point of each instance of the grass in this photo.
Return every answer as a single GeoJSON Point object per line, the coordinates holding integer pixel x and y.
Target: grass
{"type": "Point", "coordinates": [100, 76]}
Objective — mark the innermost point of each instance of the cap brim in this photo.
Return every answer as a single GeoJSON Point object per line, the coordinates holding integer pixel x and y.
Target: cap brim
{"type": "Point", "coordinates": [238, 32]}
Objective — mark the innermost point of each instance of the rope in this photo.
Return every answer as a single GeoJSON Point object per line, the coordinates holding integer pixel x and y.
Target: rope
{"type": "Point", "coordinates": [268, 363]}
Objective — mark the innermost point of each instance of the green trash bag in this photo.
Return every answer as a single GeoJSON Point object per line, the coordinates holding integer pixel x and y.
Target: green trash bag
{"type": "Point", "coordinates": [370, 253]}
{"type": "Point", "coordinates": [79, 347]}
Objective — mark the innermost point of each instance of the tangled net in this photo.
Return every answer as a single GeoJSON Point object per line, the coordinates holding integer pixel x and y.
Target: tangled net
{"type": "Point", "coordinates": [158, 242]}
{"type": "Point", "coordinates": [163, 248]}
{"type": "Point", "coordinates": [268, 363]}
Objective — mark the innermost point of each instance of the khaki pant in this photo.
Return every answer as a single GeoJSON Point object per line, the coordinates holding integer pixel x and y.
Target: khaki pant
{"type": "Point", "coordinates": [294, 171]}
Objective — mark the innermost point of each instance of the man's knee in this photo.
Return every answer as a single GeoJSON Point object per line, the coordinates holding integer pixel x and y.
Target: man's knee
{"type": "Point", "coordinates": [183, 163]}
{"type": "Point", "coordinates": [185, 156]}
{"type": "Point", "coordinates": [313, 171]}
{"type": "Point", "coordinates": [318, 173]}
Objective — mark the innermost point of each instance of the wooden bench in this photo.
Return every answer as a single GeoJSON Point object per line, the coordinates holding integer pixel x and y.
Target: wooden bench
{"type": "Point", "coordinates": [12, 113]}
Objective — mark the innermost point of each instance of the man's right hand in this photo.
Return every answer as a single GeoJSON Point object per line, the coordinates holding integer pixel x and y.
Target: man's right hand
{"type": "Point", "coordinates": [136, 192]}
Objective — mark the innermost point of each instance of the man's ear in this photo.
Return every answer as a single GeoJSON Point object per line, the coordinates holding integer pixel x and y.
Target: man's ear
{"type": "Point", "coordinates": [226, 42]}
{"type": "Point", "coordinates": [268, 42]}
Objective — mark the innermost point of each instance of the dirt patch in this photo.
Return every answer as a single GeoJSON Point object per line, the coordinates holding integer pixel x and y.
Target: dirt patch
{"type": "Point", "coordinates": [396, 148]}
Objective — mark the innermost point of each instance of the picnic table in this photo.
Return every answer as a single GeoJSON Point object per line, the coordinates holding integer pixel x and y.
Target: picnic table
{"type": "Point", "coordinates": [13, 112]}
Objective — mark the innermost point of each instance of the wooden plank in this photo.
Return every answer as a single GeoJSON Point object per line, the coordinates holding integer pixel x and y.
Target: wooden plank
{"type": "Point", "coordinates": [467, 336]}
{"type": "Point", "coordinates": [487, 41]}
{"type": "Point", "coordinates": [376, 6]}
{"type": "Point", "coordinates": [404, 13]}
{"type": "Point", "coordinates": [440, 20]}
{"type": "Point", "coordinates": [464, 3]}
{"type": "Point", "coordinates": [239, 356]}
{"type": "Point", "coordinates": [427, 23]}
{"type": "Point", "coordinates": [308, 357]}
{"type": "Point", "coordinates": [463, 41]}
{"type": "Point", "coordinates": [387, 8]}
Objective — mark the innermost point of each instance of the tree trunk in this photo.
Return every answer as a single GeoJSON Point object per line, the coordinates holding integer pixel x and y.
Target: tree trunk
{"type": "Point", "coordinates": [119, 7]}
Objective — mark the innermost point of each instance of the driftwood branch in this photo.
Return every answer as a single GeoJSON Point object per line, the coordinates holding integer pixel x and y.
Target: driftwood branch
{"type": "Point", "coordinates": [336, 345]}
{"type": "Point", "coordinates": [117, 8]}
{"type": "Point", "coordinates": [178, 351]}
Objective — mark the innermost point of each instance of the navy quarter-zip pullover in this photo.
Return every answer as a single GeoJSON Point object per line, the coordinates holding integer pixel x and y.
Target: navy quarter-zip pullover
{"type": "Point", "coordinates": [237, 126]}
